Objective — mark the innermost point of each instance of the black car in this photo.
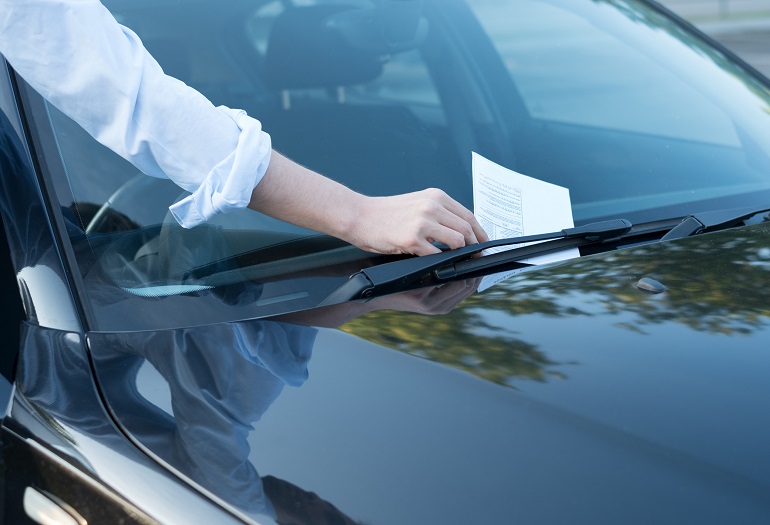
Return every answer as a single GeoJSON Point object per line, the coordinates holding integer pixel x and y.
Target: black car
{"type": "Point", "coordinates": [248, 370]}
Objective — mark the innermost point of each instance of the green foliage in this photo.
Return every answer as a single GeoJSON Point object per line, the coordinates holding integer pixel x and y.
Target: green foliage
{"type": "Point", "coordinates": [716, 284]}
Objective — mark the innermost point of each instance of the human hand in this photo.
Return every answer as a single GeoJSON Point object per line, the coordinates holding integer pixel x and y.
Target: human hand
{"type": "Point", "coordinates": [407, 223]}
{"type": "Point", "coordinates": [433, 300]}
{"type": "Point", "coordinates": [411, 222]}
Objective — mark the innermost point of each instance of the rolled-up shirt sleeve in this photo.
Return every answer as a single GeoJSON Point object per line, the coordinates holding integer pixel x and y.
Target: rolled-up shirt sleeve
{"type": "Point", "coordinates": [97, 72]}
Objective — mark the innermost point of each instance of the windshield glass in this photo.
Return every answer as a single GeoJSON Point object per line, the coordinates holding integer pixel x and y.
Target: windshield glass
{"type": "Point", "coordinates": [636, 115]}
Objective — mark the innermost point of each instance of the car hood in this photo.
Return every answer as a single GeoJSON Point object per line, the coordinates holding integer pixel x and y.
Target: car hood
{"type": "Point", "coordinates": [566, 393]}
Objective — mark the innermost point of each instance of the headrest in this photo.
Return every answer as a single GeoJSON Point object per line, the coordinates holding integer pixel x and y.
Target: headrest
{"type": "Point", "coordinates": [303, 52]}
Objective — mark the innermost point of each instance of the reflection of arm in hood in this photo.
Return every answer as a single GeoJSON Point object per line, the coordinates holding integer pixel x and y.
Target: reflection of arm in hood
{"type": "Point", "coordinates": [238, 383]}
{"type": "Point", "coordinates": [434, 300]}
{"type": "Point", "coordinates": [221, 378]}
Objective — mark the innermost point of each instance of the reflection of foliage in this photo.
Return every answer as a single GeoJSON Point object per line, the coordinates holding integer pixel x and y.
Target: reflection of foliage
{"type": "Point", "coordinates": [712, 282]}
{"type": "Point", "coordinates": [714, 285]}
{"type": "Point", "coordinates": [455, 340]}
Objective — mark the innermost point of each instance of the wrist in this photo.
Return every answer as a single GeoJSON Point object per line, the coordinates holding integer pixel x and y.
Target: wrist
{"type": "Point", "coordinates": [351, 216]}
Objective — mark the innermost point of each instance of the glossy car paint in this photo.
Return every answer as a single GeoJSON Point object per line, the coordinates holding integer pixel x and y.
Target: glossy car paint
{"type": "Point", "coordinates": [57, 436]}
{"type": "Point", "coordinates": [564, 394]}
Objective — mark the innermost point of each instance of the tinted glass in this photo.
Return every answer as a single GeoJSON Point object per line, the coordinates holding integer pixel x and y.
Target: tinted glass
{"type": "Point", "coordinates": [634, 113]}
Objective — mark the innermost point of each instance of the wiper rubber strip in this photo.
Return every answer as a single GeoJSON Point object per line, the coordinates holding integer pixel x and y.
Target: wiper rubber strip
{"type": "Point", "coordinates": [451, 263]}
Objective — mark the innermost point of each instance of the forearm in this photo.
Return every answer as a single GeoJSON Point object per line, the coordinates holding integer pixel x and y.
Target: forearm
{"type": "Point", "coordinates": [98, 73]}
{"type": "Point", "coordinates": [295, 194]}
{"type": "Point", "coordinates": [408, 223]}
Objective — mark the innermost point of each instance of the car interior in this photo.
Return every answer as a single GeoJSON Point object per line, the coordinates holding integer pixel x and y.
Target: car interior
{"type": "Point", "coordinates": [386, 124]}
{"type": "Point", "coordinates": [392, 123]}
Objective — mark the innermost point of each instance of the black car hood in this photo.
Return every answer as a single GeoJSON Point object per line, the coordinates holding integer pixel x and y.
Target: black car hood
{"type": "Point", "coordinates": [563, 394]}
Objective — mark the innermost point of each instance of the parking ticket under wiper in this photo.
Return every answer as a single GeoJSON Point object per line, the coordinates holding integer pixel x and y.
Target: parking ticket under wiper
{"type": "Point", "coordinates": [452, 263]}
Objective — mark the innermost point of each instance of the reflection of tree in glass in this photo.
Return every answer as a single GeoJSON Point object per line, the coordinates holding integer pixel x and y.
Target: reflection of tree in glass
{"type": "Point", "coordinates": [714, 285]}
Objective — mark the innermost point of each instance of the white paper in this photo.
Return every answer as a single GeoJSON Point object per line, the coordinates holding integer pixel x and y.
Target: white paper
{"type": "Point", "coordinates": [509, 204]}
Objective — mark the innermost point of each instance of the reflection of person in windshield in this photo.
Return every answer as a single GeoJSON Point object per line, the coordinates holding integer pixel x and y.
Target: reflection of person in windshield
{"type": "Point", "coordinates": [222, 379]}
{"type": "Point", "coordinates": [98, 73]}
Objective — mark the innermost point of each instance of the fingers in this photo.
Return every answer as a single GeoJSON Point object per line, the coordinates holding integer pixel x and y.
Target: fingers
{"type": "Point", "coordinates": [411, 223]}
{"type": "Point", "coordinates": [436, 300]}
{"type": "Point", "coordinates": [461, 228]}
{"type": "Point", "coordinates": [455, 217]}
{"type": "Point", "coordinates": [445, 298]}
{"type": "Point", "coordinates": [461, 212]}
{"type": "Point", "coordinates": [423, 247]}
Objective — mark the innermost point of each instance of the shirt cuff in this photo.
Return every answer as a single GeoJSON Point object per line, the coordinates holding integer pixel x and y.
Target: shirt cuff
{"type": "Point", "coordinates": [228, 186]}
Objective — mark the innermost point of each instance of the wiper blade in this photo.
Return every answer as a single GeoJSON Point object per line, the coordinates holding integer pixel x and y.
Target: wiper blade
{"type": "Point", "coordinates": [448, 264]}
{"type": "Point", "coordinates": [710, 221]}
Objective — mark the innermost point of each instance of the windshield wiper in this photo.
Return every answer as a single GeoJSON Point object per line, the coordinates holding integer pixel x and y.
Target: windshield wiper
{"type": "Point", "coordinates": [710, 221]}
{"type": "Point", "coordinates": [452, 263]}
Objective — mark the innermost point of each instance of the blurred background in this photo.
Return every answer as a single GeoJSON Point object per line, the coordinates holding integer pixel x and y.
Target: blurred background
{"type": "Point", "coordinates": [743, 26]}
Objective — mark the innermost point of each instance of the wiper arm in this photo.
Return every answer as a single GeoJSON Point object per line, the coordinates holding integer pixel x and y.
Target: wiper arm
{"type": "Point", "coordinates": [448, 264]}
{"type": "Point", "coordinates": [711, 220]}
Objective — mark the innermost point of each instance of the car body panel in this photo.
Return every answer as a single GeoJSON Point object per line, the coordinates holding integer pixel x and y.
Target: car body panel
{"type": "Point", "coordinates": [564, 393]}
{"type": "Point", "coordinates": [56, 434]}
{"type": "Point", "coordinates": [60, 439]}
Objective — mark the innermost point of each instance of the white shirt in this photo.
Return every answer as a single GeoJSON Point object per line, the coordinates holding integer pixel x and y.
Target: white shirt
{"type": "Point", "coordinates": [97, 72]}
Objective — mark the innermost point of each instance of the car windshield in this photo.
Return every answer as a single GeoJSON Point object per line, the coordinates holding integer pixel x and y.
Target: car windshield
{"type": "Point", "coordinates": [638, 116]}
